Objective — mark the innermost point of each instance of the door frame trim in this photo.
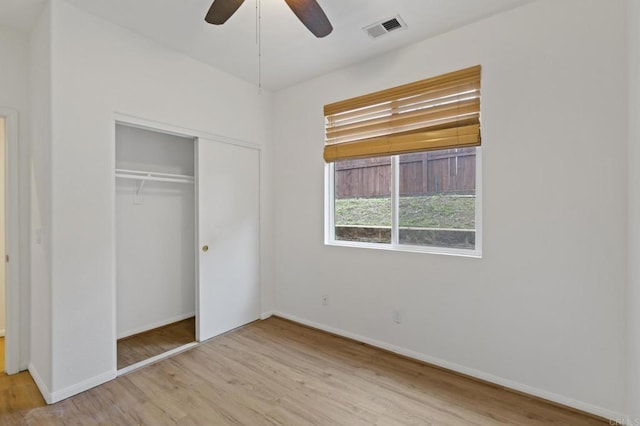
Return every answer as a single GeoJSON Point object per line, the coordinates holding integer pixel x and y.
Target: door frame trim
{"type": "Point", "coordinates": [12, 242]}
{"type": "Point", "coordinates": [143, 123]}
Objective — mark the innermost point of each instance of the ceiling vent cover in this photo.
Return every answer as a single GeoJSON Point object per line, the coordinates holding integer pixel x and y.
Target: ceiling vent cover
{"type": "Point", "coordinates": [385, 27]}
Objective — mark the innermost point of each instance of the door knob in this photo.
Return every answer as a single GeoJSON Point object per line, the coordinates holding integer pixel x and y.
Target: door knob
{"type": "Point", "coordinates": [205, 248]}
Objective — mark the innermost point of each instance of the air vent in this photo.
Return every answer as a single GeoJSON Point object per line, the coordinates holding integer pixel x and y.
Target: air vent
{"type": "Point", "coordinates": [385, 27]}
{"type": "Point", "coordinates": [391, 24]}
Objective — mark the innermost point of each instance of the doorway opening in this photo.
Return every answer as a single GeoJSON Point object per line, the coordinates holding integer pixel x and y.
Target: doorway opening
{"type": "Point", "coordinates": [3, 275]}
{"type": "Point", "coordinates": [155, 246]}
{"type": "Point", "coordinates": [12, 300]}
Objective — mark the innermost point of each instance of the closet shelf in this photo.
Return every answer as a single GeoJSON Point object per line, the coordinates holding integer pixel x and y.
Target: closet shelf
{"type": "Point", "coordinates": [153, 176]}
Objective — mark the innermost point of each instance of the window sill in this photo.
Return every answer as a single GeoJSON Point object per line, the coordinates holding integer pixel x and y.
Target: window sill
{"type": "Point", "coordinates": [477, 254]}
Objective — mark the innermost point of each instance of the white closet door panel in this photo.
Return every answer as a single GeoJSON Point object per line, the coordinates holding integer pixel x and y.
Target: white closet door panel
{"type": "Point", "coordinates": [228, 224]}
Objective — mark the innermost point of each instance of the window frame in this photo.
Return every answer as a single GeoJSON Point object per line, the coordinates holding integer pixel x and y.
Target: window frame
{"type": "Point", "coordinates": [329, 216]}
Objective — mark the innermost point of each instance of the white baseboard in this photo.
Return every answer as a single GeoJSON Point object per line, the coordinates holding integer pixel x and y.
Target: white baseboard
{"type": "Point", "coordinates": [46, 394]}
{"type": "Point", "coordinates": [2, 332]}
{"type": "Point", "coordinates": [85, 385]}
{"type": "Point", "coordinates": [549, 396]}
{"type": "Point", "coordinates": [147, 327]}
{"type": "Point", "coordinates": [266, 315]}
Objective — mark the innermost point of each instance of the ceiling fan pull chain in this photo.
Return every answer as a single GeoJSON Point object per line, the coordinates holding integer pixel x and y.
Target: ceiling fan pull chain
{"type": "Point", "coordinates": [259, 35]}
{"type": "Point", "coordinates": [259, 42]}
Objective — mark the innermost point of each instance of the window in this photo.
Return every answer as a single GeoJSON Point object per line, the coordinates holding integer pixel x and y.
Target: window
{"type": "Point", "coordinates": [403, 167]}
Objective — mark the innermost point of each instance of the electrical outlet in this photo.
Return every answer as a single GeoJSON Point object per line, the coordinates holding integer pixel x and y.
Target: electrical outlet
{"type": "Point", "coordinates": [325, 300]}
{"type": "Point", "coordinates": [397, 316]}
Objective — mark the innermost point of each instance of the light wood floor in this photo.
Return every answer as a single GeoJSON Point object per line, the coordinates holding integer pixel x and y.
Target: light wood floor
{"type": "Point", "coordinates": [1, 354]}
{"type": "Point", "coordinates": [18, 394]}
{"type": "Point", "coordinates": [277, 372]}
{"type": "Point", "coordinates": [154, 342]}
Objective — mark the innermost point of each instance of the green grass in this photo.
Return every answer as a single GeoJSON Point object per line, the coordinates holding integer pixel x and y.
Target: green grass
{"type": "Point", "coordinates": [437, 211]}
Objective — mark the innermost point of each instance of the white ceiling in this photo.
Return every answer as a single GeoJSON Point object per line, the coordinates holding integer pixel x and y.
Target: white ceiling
{"type": "Point", "coordinates": [290, 53]}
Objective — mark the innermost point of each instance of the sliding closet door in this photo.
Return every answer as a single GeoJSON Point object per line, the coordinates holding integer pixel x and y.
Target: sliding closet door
{"type": "Point", "coordinates": [228, 235]}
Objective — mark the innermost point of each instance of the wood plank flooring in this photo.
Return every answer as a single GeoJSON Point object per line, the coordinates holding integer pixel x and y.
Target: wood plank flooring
{"type": "Point", "coordinates": [277, 372]}
{"type": "Point", "coordinates": [154, 342]}
{"type": "Point", "coordinates": [18, 393]}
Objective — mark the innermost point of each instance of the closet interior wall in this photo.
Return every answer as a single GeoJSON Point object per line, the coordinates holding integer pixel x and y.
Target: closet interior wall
{"type": "Point", "coordinates": [155, 230]}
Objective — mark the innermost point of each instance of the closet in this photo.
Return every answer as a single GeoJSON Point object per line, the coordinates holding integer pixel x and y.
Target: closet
{"type": "Point", "coordinates": [155, 240]}
{"type": "Point", "coordinates": [187, 240]}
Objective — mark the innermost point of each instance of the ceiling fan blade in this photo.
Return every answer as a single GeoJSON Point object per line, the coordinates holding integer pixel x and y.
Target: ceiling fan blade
{"type": "Point", "coordinates": [312, 16]}
{"type": "Point", "coordinates": [221, 10]}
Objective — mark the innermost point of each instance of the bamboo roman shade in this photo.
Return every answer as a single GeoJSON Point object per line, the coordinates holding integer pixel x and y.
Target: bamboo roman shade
{"type": "Point", "coordinates": [437, 113]}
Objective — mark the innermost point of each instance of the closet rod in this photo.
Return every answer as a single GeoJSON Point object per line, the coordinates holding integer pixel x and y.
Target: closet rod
{"type": "Point", "coordinates": [153, 176]}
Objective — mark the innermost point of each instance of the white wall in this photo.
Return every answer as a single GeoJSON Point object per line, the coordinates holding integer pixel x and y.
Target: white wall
{"type": "Point", "coordinates": [543, 309]}
{"type": "Point", "coordinates": [40, 364]}
{"type": "Point", "coordinates": [155, 233]}
{"type": "Point", "coordinates": [99, 69]}
{"type": "Point", "coordinates": [633, 296]}
{"type": "Point", "coordinates": [14, 95]}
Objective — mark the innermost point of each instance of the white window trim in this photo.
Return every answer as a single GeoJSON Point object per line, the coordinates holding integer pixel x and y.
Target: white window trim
{"type": "Point", "coordinates": [329, 227]}
{"type": "Point", "coordinates": [395, 200]}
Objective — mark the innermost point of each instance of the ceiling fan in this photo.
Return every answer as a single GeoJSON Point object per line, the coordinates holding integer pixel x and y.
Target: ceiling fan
{"type": "Point", "coordinates": [308, 11]}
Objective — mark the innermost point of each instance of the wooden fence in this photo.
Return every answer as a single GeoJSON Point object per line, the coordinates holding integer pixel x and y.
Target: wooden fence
{"type": "Point", "coordinates": [450, 171]}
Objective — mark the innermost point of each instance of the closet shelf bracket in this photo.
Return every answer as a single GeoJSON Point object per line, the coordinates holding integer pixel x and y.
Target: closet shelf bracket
{"type": "Point", "coordinates": [137, 198]}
